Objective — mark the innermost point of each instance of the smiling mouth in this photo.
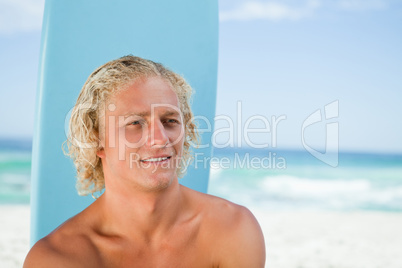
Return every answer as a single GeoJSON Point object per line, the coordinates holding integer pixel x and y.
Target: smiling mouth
{"type": "Point", "coordinates": [156, 159]}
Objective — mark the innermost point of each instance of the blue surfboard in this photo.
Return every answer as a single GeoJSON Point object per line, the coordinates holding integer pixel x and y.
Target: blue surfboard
{"type": "Point", "coordinates": [77, 37]}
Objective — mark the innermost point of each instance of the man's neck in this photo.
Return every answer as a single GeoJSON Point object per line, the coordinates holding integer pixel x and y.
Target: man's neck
{"type": "Point", "coordinates": [143, 214]}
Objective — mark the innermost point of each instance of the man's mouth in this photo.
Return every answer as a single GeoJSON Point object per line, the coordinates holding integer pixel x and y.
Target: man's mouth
{"type": "Point", "coordinates": [156, 159]}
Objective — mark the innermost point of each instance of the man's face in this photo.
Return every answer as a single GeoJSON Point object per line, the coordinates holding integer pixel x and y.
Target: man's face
{"type": "Point", "coordinates": [143, 135]}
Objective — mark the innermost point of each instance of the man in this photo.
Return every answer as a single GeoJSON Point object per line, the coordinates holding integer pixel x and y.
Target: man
{"type": "Point", "coordinates": [130, 134]}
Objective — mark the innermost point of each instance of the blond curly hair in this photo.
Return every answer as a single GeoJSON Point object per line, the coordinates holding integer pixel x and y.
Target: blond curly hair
{"type": "Point", "coordinates": [83, 138]}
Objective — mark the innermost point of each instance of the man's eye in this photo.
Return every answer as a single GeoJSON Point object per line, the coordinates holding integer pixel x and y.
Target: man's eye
{"type": "Point", "coordinates": [172, 121]}
{"type": "Point", "coordinates": [135, 123]}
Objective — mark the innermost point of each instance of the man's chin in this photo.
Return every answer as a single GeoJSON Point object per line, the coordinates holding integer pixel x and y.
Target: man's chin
{"type": "Point", "coordinates": [158, 182]}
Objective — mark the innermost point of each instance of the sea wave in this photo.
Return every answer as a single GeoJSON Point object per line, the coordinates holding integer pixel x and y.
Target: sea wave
{"type": "Point", "coordinates": [344, 194]}
{"type": "Point", "coordinates": [15, 171]}
{"type": "Point", "coordinates": [289, 191]}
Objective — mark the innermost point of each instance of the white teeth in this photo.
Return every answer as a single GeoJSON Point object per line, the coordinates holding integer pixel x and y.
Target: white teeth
{"type": "Point", "coordinates": [155, 159]}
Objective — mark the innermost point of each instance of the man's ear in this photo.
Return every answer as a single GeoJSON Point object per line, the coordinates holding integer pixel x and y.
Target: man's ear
{"type": "Point", "coordinates": [101, 145]}
{"type": "Point", "coordinates": [101, 153]}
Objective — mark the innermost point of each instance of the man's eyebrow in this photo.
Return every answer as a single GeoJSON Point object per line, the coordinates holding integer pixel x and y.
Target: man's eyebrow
{"type": "Point", "coordinates": [171, 112]}
{"type": "Point", "coordinates": [141, 114]}
{"type": "Point", "coordinates": [145, 114]}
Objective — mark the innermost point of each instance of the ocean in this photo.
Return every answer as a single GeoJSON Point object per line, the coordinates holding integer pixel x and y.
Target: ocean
{"type": "Point", "coordinates": [15, 171]}
{"type": "Point", "coordinates": [263, 179]}
{"type": "Point", "coordinates": [295, 180]}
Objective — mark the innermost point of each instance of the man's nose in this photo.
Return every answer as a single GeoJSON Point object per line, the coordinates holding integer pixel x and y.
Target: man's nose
{"type": "Point", "coordinates": [157, 135]}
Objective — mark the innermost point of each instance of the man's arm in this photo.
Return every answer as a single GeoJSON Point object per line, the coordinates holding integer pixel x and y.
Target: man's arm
{"type": "Point", "coordinates": [62, 252]}
{"type": "Point", "coordinates": [41, 255]}
{"type": "Point", "coordinates": [244, 246]}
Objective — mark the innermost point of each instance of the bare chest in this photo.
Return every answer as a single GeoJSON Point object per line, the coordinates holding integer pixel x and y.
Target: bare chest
{"type": "Point", "coordinates": [177, 250]}
{"type": "Point", "coordinates": [162, 256]}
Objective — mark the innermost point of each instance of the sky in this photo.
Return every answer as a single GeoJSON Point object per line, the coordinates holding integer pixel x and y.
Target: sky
{"type": "Point", "coordinates": [286, 61]}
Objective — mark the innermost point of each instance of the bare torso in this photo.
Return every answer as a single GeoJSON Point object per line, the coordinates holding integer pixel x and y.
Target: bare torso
{"type": "Point", "coordinates": [200, 237]}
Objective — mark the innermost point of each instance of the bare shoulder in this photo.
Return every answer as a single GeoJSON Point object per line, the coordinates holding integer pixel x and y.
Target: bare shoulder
{"type": "Point", "coordinates": [235, 232]}
{"type": "Point", "coordinates": [67, 246]}
{"type": "Point", "coordinates": [223, 213]}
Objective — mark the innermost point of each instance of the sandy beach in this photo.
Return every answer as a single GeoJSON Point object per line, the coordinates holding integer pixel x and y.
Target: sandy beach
{"type": "Point", "coordinates": [293, 239]}
{"type": "Point", "coordinates": [332, 239]}
{"type": "Point", "coordinates": [14, 235]}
